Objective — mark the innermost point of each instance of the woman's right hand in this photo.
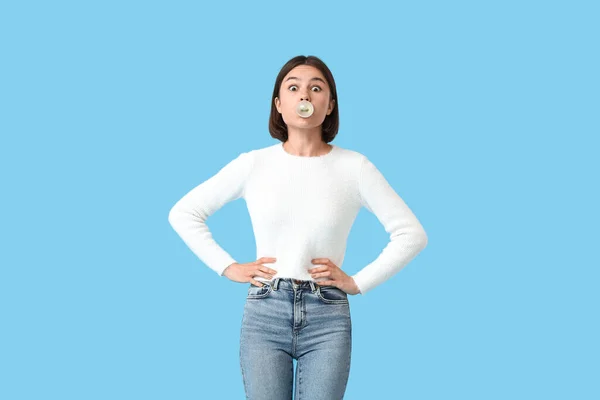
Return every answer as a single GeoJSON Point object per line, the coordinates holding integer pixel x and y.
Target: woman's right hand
{"type": "Point", "coordinates": [244, 272]}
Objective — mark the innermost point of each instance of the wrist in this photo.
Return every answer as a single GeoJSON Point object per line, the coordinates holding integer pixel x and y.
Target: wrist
{"type": "Point", "coordinates": [356, 288]}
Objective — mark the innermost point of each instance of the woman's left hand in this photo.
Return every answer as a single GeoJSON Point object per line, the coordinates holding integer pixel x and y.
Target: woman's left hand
{"type": "Point", "coordinates": [337, 277]}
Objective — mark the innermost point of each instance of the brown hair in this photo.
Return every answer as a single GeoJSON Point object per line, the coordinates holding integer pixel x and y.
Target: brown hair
{"type": "Point", "coordinates": [330, 126]}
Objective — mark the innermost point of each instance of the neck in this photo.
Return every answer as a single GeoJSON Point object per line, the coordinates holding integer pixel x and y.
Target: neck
{"type": "Point", "coordinates": [306, 147]}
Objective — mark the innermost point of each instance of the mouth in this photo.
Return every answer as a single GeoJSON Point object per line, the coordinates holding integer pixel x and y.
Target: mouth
{"type": "Point", "coordinates": [305, 109]}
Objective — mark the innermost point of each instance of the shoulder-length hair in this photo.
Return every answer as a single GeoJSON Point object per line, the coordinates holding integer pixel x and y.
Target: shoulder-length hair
{"type": "Point", "coordinates": [330, 126]}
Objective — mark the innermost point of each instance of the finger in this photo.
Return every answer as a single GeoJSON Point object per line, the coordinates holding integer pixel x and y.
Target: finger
{"type": "Point", "coordinates": [325, 261]}
{"type": "Point", "coordinates": [266, 259]}
{"type": "Point", "coordinates": [327, 283]}
{"type": "Point", "coordinates": [320, 274]}
{"type": "Point", "coordinates": [267, 269]}
{"type": "Point", "coordinates": [256, 283]}
{"type": "Point", "coordinates": [319, 268]}
{"type": "Point", "coordinates": [263, 274]}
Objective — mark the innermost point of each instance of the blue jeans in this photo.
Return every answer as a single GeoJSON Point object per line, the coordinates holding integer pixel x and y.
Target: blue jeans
{"type": "Point", "coordinates": [291, 319]}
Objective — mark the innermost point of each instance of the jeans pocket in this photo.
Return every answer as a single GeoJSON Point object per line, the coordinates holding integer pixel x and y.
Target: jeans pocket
{"type": "Point", "coordinates": [259, 292]}
{"type": "Point", "coordinates": [332, 295]}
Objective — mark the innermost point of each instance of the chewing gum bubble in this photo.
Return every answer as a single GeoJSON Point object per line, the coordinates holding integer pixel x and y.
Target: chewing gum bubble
{"type": "Point", "coordinates": [305, 109]}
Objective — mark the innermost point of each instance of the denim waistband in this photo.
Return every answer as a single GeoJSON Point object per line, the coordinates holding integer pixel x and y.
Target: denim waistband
{"type": "Point", "coordinates": [291, 283]}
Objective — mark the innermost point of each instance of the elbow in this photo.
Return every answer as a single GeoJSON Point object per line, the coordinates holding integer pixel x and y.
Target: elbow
{"type": "Point", "coordinates": [173, 216]}
{"type": "Point", "coordinates": [422, 239]}
{"type": "Point", "coordinates": [182, 216]}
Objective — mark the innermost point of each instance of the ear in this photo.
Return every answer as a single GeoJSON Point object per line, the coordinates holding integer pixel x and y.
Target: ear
{"type": "Point", "coordinates": [331, 105]}
{"type": "Point", "coordinates": [277, 104]}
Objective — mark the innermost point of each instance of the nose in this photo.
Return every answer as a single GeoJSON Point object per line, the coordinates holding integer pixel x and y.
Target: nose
{"type": "Point", "coordinates": [305, 97]}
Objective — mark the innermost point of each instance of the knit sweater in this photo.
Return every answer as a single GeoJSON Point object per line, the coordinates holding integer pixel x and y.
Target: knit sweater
{"type": "Point", "coordinates": [301, 208]}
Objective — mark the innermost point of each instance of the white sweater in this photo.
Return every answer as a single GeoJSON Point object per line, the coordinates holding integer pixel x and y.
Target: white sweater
{"type": "Point", "coordinates": [301, 208]}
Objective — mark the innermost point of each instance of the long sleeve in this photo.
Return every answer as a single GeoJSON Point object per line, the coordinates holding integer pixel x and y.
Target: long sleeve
{"type": "Point", "coordinates": [407, 236]}
{"type": "Point", "coordinates": [188, 216]}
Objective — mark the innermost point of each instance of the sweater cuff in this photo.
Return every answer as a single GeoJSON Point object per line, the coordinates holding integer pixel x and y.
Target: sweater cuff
{"type": "Point", "coordinates": [361, 285]}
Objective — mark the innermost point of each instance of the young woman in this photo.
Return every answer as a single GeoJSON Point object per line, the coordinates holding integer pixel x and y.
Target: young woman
{"type": "Point", "coordinates": [303, 195]}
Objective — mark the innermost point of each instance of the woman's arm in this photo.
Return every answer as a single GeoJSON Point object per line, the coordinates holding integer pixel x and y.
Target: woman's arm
{"type": "Point", "coordinates": [407, 236]}
{"type": "Point", "coordinates": [188, 216]}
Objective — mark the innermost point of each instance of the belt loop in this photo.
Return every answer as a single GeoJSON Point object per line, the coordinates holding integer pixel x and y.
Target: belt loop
{"type": "Point", "coordinates": [275, 283]}
{"type": "Point", "coordinates": [312, 286]}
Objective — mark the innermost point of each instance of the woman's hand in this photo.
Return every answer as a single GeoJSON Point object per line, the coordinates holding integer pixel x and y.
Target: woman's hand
{"type": "Point", "coordinates": [337, 277]}
{"type": "Point", "coordinates": [244, 272]}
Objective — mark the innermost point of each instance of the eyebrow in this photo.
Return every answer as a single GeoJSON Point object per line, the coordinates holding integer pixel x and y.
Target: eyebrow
{"type": "Point", "coordinates": [312, 79]}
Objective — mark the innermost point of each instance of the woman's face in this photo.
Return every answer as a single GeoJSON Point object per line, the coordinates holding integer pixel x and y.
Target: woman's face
{"type": "Point", "coordinates": [304, 82]}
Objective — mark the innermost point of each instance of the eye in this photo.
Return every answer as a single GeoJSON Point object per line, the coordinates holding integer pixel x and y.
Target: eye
{"type": "Point", "coordinates": [316, 86]}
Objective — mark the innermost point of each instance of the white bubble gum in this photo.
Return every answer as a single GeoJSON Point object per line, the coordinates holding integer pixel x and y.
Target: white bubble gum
{"type": "Point", "coordinates": [305, 109]}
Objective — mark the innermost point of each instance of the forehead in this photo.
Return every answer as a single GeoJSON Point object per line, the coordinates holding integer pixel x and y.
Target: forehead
{"type": "Point", "coordinates": [304, 73]}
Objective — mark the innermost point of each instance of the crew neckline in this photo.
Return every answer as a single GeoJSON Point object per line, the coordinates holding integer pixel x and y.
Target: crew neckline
{"type": "Point", "coordinates": [294, 156]}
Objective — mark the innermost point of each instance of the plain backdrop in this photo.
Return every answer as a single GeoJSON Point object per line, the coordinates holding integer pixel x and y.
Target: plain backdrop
{"type": "Point", "coordinates": [483, 116]}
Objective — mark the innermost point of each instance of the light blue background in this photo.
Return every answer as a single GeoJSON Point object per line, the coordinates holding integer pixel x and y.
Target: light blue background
{"type": "Point", "coordinates": [482, 115]}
